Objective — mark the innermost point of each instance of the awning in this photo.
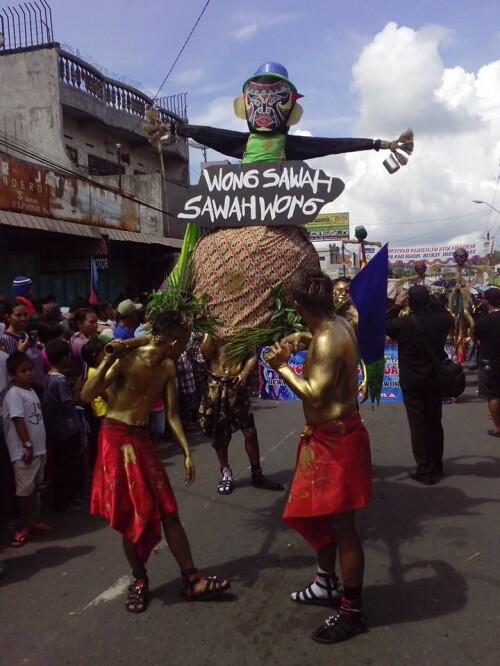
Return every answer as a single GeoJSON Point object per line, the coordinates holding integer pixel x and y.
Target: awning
{"type": "Point", "coordinates": [37, 223]}
{"type": "Point", "coordinates": [134, 237]}
{"type": "Point", "coordinates": [47, 224]}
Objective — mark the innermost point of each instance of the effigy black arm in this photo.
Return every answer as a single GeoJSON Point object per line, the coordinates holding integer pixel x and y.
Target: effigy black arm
{"type": "Point", "coordinates": [227, 142]}
{"type": "Point", "coordinates": [308, 147]}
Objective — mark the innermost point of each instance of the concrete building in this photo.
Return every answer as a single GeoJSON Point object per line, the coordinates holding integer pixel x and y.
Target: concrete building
{"type": "Point", "coordinates": [333, 261]}
{"type": "Point", "coordinates": [78, 177]}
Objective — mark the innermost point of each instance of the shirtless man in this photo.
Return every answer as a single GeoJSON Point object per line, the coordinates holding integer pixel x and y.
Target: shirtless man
{"type": "Point", "coordinates": [226, 408]}
{"type": "Point", "coordinates": [333, 473]}
{"type": "Point", "coordinates": [343, 302]}
{"type": "Point", "coordinates": [130, 486]}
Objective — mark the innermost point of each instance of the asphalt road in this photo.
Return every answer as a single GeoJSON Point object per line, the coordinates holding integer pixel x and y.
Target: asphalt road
{"type": "Point", "coordinates": [432, 565]}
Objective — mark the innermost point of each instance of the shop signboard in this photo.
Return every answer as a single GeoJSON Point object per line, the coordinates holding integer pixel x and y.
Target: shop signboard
{"type": "Point", "coordinates": [34, 190]}
{"type": "Point", "coordinates": [329, 227]}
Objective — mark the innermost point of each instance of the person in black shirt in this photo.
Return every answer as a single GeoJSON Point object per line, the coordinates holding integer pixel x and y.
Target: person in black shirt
{"type": "Point", "coordinates": [422, 399]}
{"type": "Point", "coordinates": [487, 333]}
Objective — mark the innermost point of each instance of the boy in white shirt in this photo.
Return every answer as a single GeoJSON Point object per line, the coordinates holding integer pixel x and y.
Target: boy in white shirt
{"type": "Point", "coordinates": [24, 432]}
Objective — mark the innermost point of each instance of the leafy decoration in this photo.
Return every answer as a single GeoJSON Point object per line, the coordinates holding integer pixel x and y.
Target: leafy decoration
{"type": "Point", "coordinates": [284, 321]}
{"type": "Point", "coordinates": [178, 295]}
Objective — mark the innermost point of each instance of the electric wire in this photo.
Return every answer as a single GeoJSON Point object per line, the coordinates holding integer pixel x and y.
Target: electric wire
{"type": "Point", "coordinates": [186, 41]}
{"type": "Point", "coordinates": [63, 170]}
{"type": "Point", "coordinates": [181, 51]}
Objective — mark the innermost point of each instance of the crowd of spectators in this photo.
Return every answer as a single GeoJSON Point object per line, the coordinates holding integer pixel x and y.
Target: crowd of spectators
{"type": "Point", "coordinates": [48, 437]}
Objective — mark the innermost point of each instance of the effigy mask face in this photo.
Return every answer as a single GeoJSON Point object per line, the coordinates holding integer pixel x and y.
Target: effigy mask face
{"type": "Point", "coordinates": [268, 105]}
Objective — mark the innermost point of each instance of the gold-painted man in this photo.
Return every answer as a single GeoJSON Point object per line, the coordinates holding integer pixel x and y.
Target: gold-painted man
{"type": "Point", "coordinates": [130, 486]}
{"type": "Point", "coordinates": [343, 301]}
{"type": "Point", "coordinates": [225, 408]}
{"type": "Point", "coordinates": [333, 474]}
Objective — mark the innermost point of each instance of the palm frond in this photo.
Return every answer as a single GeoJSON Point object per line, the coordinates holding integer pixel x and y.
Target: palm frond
{"type": "Point", "coordinates": [284, 321]}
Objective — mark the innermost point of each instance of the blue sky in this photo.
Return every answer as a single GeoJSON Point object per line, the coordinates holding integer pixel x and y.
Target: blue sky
{"type": "Point", "coordinates": [317, 40]}
{"type": "Point", "coordinates": [320, 41]}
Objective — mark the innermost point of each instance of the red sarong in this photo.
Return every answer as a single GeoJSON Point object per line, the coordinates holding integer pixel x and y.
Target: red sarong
{"type": "Point", "coordinates": [332, 475]}
{"type": "Point", "coordinates": [130, 486]}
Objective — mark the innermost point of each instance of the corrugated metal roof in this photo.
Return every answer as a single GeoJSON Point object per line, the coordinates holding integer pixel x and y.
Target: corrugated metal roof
{"type": "Point", "coordinates": [37, 223]}
{"type": "Point", "coordinates": [47, 224]}
{"type": "Point", "coordinates": [134, 237]}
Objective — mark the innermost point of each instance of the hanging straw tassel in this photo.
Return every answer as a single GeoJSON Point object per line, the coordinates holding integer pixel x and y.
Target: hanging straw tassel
{"type": "Point", "coordinates": [405, 143]}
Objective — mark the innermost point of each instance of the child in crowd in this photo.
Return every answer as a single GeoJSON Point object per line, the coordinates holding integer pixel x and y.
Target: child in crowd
{"type": "Point", "coordinates": [8, 508]}
{"type": "Point", "coordinates": [25, 436]}
{"type": "Point", "coordinates": [48, 331]}
{"type": "Point", "coordinates": [63, 429]}
{"type": "Point", "coordinates": [92, 355]}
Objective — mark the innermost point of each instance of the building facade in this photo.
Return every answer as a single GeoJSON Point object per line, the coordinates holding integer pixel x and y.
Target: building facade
{"type": "Point", "coordinates": [78, 176]}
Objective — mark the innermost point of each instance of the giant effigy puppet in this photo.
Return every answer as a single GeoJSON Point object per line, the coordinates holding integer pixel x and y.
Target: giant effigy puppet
{"type": "Point", "coordinates": [255, 210]}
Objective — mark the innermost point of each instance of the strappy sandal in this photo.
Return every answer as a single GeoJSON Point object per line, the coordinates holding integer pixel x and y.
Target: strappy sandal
{"type": "Point", "coordinates": [329, 583]}
{"type": "Point", "coordinates": [262, 482]}
{"type": "Point", "coordinates": [20, 538]}
{"type": "Point", "coordinates": [213, 587]}
{"type": "Point", "coordinates": [339, 628]}
{"type": "Point", "coordinates": [138, 595]}
{"type": "Point", "coordinates": [226, 486]}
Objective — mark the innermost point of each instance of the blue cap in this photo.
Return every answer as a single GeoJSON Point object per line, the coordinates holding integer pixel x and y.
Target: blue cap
{"type": "Point", "coordinates": [21, 285]}
{"type": "Point", "coordinates": [271, 69]}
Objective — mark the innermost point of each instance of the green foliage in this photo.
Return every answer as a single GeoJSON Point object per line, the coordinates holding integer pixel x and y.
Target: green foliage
{"type": "Point", "coordinates": [284, 321]}
{"type": "Point", "coordinates": [374, 379]}
{"type": "Point", "coordinates": [178, 295]}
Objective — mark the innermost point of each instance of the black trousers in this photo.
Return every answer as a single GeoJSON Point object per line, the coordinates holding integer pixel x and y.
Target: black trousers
{"type": "Point", "coordinates": [424, 410]}
{"type": "Point", "coordinates": [68, 471]}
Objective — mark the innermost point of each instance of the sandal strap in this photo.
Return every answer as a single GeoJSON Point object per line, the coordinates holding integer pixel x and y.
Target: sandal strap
{"type": "Point", "coordinates": [339, 626]}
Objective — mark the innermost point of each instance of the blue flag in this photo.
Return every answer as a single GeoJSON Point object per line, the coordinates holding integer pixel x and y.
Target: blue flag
{"type": "Point", "coordinates": [369, 295]}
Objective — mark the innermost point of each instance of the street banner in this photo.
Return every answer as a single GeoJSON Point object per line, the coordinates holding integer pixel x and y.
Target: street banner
{"type": "Point", "coordinates": [439, 254]}
{"type": "Point", "coordinates": [329, 227]}
{"type": "Point", "coordinates": [272, 386]}
{"type": "Point", "coordinates": [391, 390]}
{"type": "Point", "coordinates": [268, 194]}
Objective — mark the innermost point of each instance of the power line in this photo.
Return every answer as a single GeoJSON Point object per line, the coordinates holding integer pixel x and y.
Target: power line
{"type": "Point", "coordinates": [487, 222]}
{"type": "Point", "coordinates": [431, 221]}
{"type": "Point", "coordinates": [182, 49]}
{"type": "Point", "coordinates": [68, 172]}
{"type": "Point", "coordinates": [419, 236]}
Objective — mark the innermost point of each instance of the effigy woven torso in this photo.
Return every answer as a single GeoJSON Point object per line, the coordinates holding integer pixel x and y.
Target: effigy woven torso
{"type": "Point", "coordinates": [237, 269]}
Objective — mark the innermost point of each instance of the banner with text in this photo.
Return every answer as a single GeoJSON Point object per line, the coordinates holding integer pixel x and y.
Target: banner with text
{"type": "Point", "coordinates": [272, 387]}
{"type": "Point", "coordinates": [439, 254]}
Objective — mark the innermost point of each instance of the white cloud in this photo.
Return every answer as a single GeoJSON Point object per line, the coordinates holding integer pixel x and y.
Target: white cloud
{"type": "Point", "coordinates": [252, 25]}
{"type": "Point", "coordinates": [188, 76]}
{"type": "Point", "coordinates": [219, 113]}
{"type": "Point", "coordinates": [301, 132]}
{"type": "Point", "coordinates": [401, 82]}
{"type": "Point", "coordinates": [246, 32]}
